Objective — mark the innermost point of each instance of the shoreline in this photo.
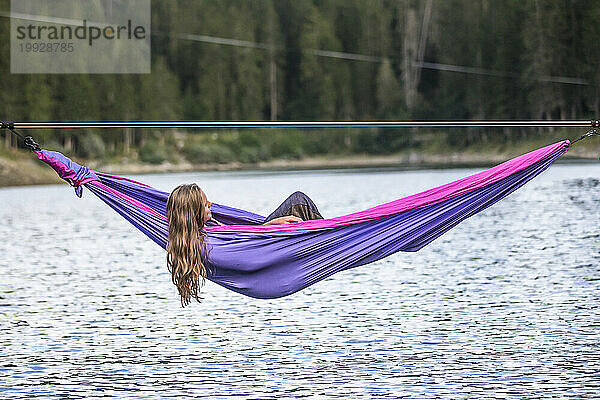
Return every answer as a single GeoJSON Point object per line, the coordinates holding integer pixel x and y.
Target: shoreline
{"type": "Point", "coordinates": [435, 161]}
{"type": "Point", "coordinates": [20, 168]}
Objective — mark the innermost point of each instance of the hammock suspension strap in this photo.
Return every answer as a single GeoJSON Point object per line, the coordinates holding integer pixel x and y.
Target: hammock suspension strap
{"type": "Point", "coordinates": [28, 141]}
{"type": "Point", "coordinates": [593, 132]}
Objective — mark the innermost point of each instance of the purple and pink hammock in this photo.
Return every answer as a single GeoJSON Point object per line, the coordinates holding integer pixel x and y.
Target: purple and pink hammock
{"type": "Point", "coordinates": [270, 261]}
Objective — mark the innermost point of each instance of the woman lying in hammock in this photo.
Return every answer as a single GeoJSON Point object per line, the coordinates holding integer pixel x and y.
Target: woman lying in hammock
{"type": "Point", "coordinates": [188, 211]}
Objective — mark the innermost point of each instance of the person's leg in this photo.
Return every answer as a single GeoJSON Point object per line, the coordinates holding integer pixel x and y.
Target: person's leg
{"type": "Point", "coordinates": [297, 204]}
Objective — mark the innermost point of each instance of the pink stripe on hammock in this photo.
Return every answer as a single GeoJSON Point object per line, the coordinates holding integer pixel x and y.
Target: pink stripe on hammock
{"type": "Point", "coordinates": [418, 200]}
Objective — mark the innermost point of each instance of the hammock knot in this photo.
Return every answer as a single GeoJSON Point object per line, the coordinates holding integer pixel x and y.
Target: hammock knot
{"type": "Point", "coordinates": [76, 175]}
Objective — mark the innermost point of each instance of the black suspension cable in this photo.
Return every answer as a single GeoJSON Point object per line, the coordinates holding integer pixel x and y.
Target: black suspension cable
{"type": "Point", "coordinates": [591, 133]}
{"type": "Point", "coordinates": [305, 124]}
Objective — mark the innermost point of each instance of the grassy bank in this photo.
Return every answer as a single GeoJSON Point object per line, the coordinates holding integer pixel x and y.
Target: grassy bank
{"type": "Point", "coordinates": [19, 167]}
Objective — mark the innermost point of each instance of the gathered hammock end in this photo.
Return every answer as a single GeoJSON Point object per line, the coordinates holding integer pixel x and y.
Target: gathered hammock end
{"type": "Point", "coordinates": [248, 258]}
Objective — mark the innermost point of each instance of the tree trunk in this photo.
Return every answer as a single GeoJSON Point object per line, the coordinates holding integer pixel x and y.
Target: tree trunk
{"type": "Point", "coordinates": [273, 66]}
{"type": "Point", "coordinates": [415, 43]}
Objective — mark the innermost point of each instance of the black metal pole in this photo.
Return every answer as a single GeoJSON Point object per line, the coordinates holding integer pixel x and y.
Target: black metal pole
{"type": "Point", "coordinates": [305, 124]}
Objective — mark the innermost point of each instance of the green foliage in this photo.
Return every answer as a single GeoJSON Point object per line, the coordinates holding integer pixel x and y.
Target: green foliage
{"type": "Point", "coordinates": [91, 146]}
{"type": "Point", "coordinates": [389, 92]}
{"type": "Point", "coordinates": [287, 144]}
{"type": "Point", "coordinates": [153, 152]}
{"type": "Point", "coordinates": [204, 152]}
{"type": "Point", "coordinates": [525, 41]}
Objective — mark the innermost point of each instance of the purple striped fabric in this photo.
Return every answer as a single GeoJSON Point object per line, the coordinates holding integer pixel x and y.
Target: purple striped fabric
{"type": "Point", "coordinates": [269, 261]}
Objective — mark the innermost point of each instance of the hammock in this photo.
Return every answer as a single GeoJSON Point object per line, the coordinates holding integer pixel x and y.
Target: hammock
{"type": "Point", "coordinates": [270, 261]}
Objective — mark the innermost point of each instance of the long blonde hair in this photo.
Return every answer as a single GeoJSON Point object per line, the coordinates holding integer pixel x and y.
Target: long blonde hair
{"type": "Point", "coordinates": [186, 246]}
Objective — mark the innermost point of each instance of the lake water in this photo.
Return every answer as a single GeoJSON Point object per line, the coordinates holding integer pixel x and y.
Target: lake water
{"type": "Point", "coordinates": [506, 305]}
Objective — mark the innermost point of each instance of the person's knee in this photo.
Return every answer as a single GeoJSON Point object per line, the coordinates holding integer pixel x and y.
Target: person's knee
{"type": "Point", "coordinates": [298, 193]}
{"type": "Point", "coordinates": [299, 197]}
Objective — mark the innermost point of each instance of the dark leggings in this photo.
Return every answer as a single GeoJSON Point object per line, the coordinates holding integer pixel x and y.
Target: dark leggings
{"type": "Point", "coordinates": [297, 204]}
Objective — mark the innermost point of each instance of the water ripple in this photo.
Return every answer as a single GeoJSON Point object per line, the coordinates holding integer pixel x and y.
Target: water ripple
{"type": "Point", "coordinates": [504, 306]}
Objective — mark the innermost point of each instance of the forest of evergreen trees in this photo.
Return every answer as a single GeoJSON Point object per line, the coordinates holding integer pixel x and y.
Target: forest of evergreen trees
{"type": "Point", "coordinates": [409, 59]}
